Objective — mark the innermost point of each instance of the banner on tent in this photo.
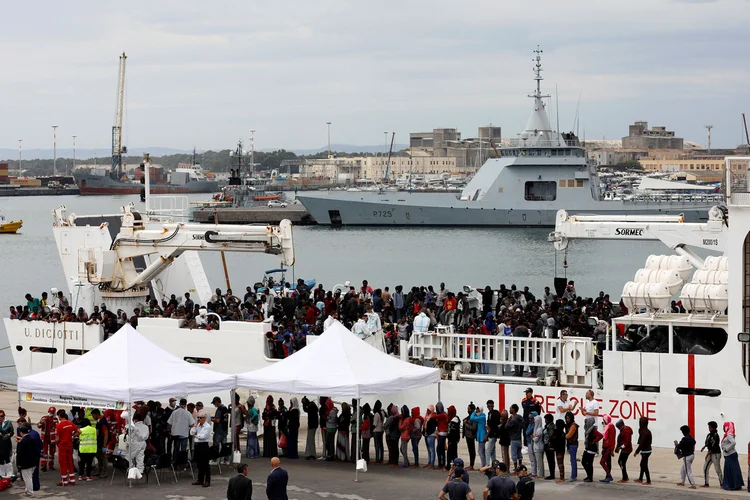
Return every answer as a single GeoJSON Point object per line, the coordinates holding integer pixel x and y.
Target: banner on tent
{"type": "Point", "coordinates": [34, 397]}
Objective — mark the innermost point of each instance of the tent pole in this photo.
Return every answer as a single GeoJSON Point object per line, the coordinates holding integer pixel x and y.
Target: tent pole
{"type": "Point", "coordinates": [439, 392]}
{"type": "Point", "coordinates": [356, 457]}
{"type": "Point", "coordinates": [129, 425]}
{"type": "Point", "coordinates": [231, 424]}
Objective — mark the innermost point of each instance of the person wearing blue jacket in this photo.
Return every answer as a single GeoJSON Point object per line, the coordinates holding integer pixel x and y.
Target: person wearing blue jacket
{"type": "Point", "coordinates": [529, 435]}
{"type": "Point", "coordinates": [481, 419]}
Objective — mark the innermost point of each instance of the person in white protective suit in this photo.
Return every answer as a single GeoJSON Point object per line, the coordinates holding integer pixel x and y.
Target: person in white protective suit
{"type": "Point", "coordinates": [137, 436]}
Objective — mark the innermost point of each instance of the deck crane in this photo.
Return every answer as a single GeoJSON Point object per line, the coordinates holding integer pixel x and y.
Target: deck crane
{"type": "Point", "coordinates": [669, 229]}
{"type": "Point", "coordinates": [117, 148]}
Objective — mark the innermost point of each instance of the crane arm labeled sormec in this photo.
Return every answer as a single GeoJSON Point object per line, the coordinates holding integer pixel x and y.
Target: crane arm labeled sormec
{"type": "Point", "coordinates": [117, 148]}
{"type": "Point", "coordinates": [669, 229]}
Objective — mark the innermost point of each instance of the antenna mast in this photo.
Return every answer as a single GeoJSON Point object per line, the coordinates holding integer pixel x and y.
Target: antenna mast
{"type": "Point", "coordinates": [117, 148]}
{"type": "Point", "coordinates": [709, 127]}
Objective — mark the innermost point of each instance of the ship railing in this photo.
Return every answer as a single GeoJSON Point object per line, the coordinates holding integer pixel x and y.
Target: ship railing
{"type": "Point", "coordinates": [168, 207]}
{"type": "Point", "coordinates": [660, 198]}
{"type": "Point", "coordinates": [571, 357]}
{"type": "Point", "coordinates": [737, 171]}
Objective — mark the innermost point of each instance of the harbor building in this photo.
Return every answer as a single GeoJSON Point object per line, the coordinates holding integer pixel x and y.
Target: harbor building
{"type": "Point", "coordinates": [641, 137]}
{"type": "Point", "coordinates": [695, 164]}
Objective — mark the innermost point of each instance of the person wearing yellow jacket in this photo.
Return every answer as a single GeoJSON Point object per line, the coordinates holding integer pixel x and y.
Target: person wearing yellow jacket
{"type": "Point", "coordinates": [86, 450]}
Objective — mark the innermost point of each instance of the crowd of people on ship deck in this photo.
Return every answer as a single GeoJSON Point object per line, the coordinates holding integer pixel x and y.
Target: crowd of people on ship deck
{"type": "Point", "coordinates": [300, 311]}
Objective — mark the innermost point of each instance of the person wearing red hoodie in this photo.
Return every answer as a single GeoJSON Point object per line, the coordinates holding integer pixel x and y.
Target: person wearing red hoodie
{"type": "Point", "coordinates": [624, 447]}
{"type": "Point", "coordinates": [404, 427]}
{"type": "Point", "coordinates": [417, 425]}
{"type": "Point", "coordinates": [608, 448]}
{"type": "Point", "coordinates": [442, 431]}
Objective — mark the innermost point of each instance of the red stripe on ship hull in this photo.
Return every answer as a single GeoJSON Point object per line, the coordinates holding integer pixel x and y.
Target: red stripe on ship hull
{"type": "Point", "coordinates": [691, 397]}
{"type": "Point", "coordinates": [501, 397]}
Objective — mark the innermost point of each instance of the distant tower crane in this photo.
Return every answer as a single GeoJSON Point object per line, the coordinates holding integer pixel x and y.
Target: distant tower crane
{"type": "Point", "coordinates": [117, 148]}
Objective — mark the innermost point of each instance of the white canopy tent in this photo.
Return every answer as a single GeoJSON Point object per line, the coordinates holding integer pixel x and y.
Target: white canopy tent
{"type": "Point", "coordinates": [125, 368]}
{"type": "Point", "coordinates": [338, 363]}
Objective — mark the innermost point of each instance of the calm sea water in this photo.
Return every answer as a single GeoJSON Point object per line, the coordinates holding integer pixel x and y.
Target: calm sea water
{"type": "Point", "coordinates": [384, 256]}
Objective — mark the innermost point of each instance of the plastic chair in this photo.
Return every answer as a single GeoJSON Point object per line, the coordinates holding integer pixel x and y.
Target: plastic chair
{"type": "Point", "coordinates": [119, 464]}
{"type": "Point", "coordinates": [181, 463]}
{"type": "Point", "coordinates": [216, 454]}
{"type": "Point", "coordinates": [159, 465]}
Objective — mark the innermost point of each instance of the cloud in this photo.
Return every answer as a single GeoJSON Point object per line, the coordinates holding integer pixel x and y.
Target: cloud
{"type": "Point", "coordinates": [204, 74]}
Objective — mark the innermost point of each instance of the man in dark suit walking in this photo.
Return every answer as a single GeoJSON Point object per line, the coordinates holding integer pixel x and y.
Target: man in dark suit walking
{"type": "Point", "coordinates": [240, 486]}
{"type": "Point", "coordinates": [277, 481]}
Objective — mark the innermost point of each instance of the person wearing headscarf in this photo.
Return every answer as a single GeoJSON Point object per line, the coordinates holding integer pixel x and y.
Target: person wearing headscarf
{"type": "Point", "coordinates": [365, 431]}
{"type": "Point", "coordinates": [442, 433]}
{"type": "Point", "coordinates": [292, 429]}
{"type": "Point", "coordinates": [479, 418]}
{"type": "Point", "coordinates": [591, 438]}
{"type": "Point", "coordinates": [417, 426]}
{"type": "Point", "coordinates": [342, 442]}
{"type": "Point", "coordinates": [252, 419]}
{"type": "Point", "coordinates": [392, 435]}
{"type": "Point", "coordinates": [311, 409]}
{"type": "Point", "coordinates": [430, 435]}
{"type": "Point", "coordinates": [608, 448]}
{"type": "Point", "coordinates": [571, 435]}
{"type": "Point", "coordinates": [732, 472]}
{"type": "Point", "coordinates": [332, 423]}
{"type": "Point", "coordinates": [644, 448]}
{"type": "Point", "coordinates": [454, 436]}
{"type": "Point", "coordinates": [404, 428]}
{"type": "Point", "coordinates": [624, 447]}
{"type": "Point", "coordinates": [537, 445]}
{"type": "Point", "coordinates": [281, 423]}
{"type": "Point", "coordinates": [378, 419]}
{"type": "Point", "coordinates": [269, 416]}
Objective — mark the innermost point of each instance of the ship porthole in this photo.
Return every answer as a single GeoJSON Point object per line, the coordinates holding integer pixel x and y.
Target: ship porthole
{"type": "Point", "coordinates": [19, 348]}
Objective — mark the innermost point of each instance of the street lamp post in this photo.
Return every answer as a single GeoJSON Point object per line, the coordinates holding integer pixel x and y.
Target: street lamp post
{"type": "Point", "coordinates": [20, 154]}
{"type": "Point", "coordinates": [54, 150]}
{"type": "Point", "coordinates": [252, 151]}
{"type": "Point", "coordinates": [329, 139]}
{"type": "Point", "coordinates": [74, 153]}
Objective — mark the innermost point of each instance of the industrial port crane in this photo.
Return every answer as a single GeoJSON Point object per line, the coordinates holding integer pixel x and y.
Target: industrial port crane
{"type": "Point", "coordinates": [117, 148]}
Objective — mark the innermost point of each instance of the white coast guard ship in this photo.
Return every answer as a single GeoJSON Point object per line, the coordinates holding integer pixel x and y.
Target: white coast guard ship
{"type": "Point", "coordinates": [694, 367]}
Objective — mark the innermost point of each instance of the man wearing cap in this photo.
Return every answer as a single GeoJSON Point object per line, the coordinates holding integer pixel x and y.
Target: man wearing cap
{"type": "Point", "coordinates": [500, 487]}
{"type": "Point", "coordinates": [490, 470]}
{"type": "Point", "coordinates": [529, 404]}
{"type": "Point", "coordinates": [456, 488]}
{"type": "Point", "coordinates": [525, 485]}
{"type": "Point", "coordinates": [46, 426]}
{"type": "Point", "coordinates": [458, 464]}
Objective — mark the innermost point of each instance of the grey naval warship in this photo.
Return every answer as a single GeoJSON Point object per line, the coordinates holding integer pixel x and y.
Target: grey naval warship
{"type": "Point", "coordinates": [536, 174]}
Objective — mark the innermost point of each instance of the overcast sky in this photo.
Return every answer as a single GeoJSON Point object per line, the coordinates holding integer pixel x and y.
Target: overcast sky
{"type": "Point", "coordinates": [204, 73]}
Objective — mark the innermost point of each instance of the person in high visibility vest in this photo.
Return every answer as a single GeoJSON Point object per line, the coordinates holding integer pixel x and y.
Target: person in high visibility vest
{"type": "Point", "coordinates": [86, 450]}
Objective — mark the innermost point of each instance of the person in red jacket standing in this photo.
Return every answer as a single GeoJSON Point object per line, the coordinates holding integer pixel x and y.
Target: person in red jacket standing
{"type": "Point", "coordinates": [404, 427]}
{"type": "Point", "coordinates": [46, 426]}
{"type": "Point", "coordinates": [624, 447]}
{"type": "Point", "coordinates": [608, 449]}
{"type": "Point", "coordinates": [64, 434]}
